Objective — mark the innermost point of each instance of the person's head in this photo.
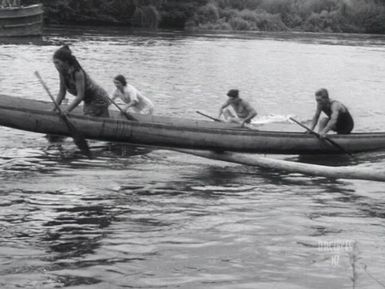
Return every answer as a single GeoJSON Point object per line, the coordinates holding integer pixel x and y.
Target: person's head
{"type": "Point", "coordinates": [233, 95]}
{"type": "Point", "coordinates": [63, 59]}
{"type": "Point", "coordinates": [120, 81]}
{"type": "Point", "coordinates": [322, 96]}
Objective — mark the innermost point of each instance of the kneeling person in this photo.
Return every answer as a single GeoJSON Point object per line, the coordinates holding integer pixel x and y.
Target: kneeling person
{"type": "Point", "coordinates": [245, 112]}
{"type": "Point", "coordinates": [131, 96]}
{"type": "Point", "coordinates": [338, 117]}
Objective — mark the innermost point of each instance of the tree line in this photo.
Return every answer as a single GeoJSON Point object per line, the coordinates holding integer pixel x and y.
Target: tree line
{"type": "Point", "coordinates": [357, 16]}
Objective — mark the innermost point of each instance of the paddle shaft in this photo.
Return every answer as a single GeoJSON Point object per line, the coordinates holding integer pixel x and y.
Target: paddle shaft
{"type": "Point", "coordinates": [210, 117]}
{"type": "Point", "coordinates": [218, 120]}
{"type": "Point", "coordinates": [79, 139]}
{"type": "Point", "coordinates": [126, 114]}
{"type": "Point", "coordinates": [48, 92]}
{"type": "Point", "coordinates": [319, 137]}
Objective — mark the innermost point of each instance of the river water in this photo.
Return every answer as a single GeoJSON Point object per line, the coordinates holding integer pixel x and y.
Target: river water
{"type": "Point", "coordinates": [144, 218]}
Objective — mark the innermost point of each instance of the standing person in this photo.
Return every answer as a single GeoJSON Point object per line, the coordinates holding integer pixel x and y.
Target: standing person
{"type": "Point", "coordinates": [245, 112]}
{"type": "Point", "coordinates": [338, 117]}
{"type": "Point", "coordinates": [76, 81]}
{"type": "Point", "coordinates": [132, 97]}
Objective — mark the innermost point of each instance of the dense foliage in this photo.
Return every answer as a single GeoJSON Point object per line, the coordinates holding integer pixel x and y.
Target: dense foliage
{"type": "Point", "coordinates": [366, 16]}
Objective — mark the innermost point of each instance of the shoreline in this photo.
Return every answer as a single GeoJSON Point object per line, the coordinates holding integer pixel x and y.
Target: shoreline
{"type": "Point", "coordinates": [135, 30]}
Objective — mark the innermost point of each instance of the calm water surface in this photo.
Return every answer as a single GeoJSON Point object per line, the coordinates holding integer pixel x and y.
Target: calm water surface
{"type": "Point", "coordinates": [145, 218]}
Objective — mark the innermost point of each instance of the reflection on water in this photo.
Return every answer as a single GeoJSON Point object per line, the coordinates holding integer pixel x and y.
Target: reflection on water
{"type": "Point", "coordinates": [69, 235]}
{"type": "Point", "coordinates": [330, 160]}
{"type": "Point", "coordinates": [146, 218]}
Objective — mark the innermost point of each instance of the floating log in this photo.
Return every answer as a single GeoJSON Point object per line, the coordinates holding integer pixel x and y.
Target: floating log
{"type": "Point", "coordinates": [345, 172]}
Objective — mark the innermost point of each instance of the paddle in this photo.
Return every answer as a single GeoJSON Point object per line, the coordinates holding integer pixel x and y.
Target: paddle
{"type": "Point", "coordinates": [78, 138]}
{"type": "Point", "coordinates": [319, 137]}
{"type": "Point", "coordinates": [210, 117]}
{"type": "Point", "coordinates": [126, 114]}
{"type": "Point", "coordinates": [218, 120]}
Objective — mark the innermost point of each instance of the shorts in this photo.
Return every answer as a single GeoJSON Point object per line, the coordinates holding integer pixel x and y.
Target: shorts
{"type": "Point", "coordinates": [345, 124]}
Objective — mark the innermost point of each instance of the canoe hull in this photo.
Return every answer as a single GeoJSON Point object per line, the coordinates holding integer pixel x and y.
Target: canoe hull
{"type": "Point", "coordinates": [37, 116]}
{"type": "Point", "coordinates": [21, 21]}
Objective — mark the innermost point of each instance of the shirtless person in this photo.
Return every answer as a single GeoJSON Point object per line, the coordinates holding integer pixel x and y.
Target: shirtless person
{"type": "Point", "coordinates": [338, 117]}
{"type": "Point", "coordinates": [245, 112]}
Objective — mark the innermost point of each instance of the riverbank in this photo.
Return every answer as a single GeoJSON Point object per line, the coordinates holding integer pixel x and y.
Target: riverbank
{"type": "Point", "coordinates": [329, 38]}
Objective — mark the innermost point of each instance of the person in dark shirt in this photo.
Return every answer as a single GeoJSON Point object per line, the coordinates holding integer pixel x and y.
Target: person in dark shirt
{"type": "Point", "coordinates": [76, 81]}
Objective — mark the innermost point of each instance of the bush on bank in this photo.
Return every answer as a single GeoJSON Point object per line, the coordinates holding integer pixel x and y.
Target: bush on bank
{"type": "Point", "coordinates": [365, 16]}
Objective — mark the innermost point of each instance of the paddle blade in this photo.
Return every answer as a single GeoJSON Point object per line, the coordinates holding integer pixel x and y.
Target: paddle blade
{"type": "Point", "coordinates": [78, 138]}
{"type": "Point", "coordinates": [125, 113]}
{"type": "Point", "coordinates": [333, 143]}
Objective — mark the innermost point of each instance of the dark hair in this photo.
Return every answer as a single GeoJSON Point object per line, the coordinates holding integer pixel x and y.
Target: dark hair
{"type": "Point", "coordinates": [64, 53]}
{"type": "Point", "coordinates": [121, 79]}
{"type": "Point", "coordinates": [322, 92]}
{"type": "Point", "coordinates": [233, 93]}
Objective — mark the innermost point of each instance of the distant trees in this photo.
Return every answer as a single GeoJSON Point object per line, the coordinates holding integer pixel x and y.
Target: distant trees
{"type": "Point", "coordinates": [141, 13]}
{"type": "Point", "coordinates": [366, 16]}
{"type": "Point", "coordinates": [177, 13]}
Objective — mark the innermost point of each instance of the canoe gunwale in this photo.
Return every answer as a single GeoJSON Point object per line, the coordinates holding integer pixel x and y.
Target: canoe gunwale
{"type": "Point", "coordinates": [23, 8]}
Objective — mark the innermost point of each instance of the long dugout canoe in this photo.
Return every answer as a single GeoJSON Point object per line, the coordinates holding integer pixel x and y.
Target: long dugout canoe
{"type": "Point", "coordinates": [37, 116]}
{"type": "Point", "coordinates": [21, 21]}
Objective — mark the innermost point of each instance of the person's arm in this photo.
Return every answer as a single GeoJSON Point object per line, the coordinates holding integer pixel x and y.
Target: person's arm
{"type": "Point", "coordinates": [226, 104]}
{"type": "Point", "coordinates": [133, 95]}
{"type": "Point", "coordinates": [315, 117]}
{"type": "Point", "coordinates": [335, 108]}
{"type": "Point", "coordinates": [80, 89]}
{"type": "Point", "coordinates": [62, 91]}
{"type": "Point", "coordinates": [113, 96]}
{"type": "Point", "coordinates": [132, 102]}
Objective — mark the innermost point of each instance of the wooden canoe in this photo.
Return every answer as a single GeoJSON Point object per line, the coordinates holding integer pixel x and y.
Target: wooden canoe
{"type": "Point", "coordinates": [21, 21]}
{"type": "Point", "coordinates": [37, 116]}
